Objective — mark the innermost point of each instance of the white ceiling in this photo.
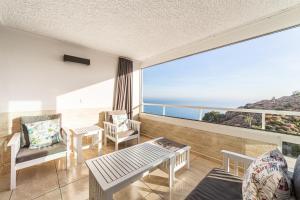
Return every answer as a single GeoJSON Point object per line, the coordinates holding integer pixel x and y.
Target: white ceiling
{"type": "Point", "coordinates": [134, 28]}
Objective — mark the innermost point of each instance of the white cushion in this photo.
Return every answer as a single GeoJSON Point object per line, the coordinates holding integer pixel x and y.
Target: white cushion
{"type": "Point", "coordinates": [121, 121]}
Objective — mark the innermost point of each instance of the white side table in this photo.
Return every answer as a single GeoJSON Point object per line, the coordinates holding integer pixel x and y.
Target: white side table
{"type": "Point", "coordinates": [94, 131]}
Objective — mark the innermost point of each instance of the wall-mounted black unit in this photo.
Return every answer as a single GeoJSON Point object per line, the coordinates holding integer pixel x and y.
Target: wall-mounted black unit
{"type": "Point", "coordinates": [68, 58]}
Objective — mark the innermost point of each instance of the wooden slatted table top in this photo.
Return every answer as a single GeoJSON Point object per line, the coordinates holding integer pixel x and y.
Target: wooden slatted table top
{"type": "Point", "coordinates": [85, 130]}
{"type": "Point", "coordinates": [114, 168]}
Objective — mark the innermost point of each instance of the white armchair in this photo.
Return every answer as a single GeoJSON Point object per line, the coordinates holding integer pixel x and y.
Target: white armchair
{"type": "Point", "coordinates": [111, 130]}
{"type": "Point", "coordinates": [22, 157]}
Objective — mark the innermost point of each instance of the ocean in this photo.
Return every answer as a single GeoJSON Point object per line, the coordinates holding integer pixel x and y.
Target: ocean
{"type": "Point", "coordinates": [187, 113]}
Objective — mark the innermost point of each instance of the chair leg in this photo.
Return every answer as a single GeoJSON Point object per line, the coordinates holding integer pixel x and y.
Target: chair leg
{"type": "Point", "coordinates": [99, 142]}
{"type": "Point", "coordinates": [105, 141]}
{"type": "Point", "coordinates": [138, 139]}
{"type": "Point", "coordinates": [116, 146]}
{"type": "Point", "coordinates": [67, 160]}
{"type": "Point", "coordinates": [13, 177]}
{"type": "Point", "coordinates": [188, 159]}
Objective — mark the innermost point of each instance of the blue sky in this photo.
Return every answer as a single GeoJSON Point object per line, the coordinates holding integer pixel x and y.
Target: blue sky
{"type": "Point", "coordinates": [245, 72]}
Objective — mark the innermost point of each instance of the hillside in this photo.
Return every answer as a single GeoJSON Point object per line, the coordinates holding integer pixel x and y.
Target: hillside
{"type": "Point", "coordinates": [276, 123]}
{"type": "Point", "coordinates": [291, 103]}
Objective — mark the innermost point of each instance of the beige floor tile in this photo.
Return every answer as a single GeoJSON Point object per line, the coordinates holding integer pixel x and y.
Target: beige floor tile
{"type": "Point", "coordinates": [179, 191]}
{"type": "Point", "coordinates": [199, 168]}
{"type": "Point", "coordinates": [158, 181]}
{"type": "Point", "coordinates": [73, 173]}
{"type": "Point", "coordinates": [5, 195]}
{"type": "Point", "coordinates": [4, 187]}
{"type": "Point", "coordinates": [5, 169]}
{"type": "Point", "coordinates": [76, 190]}
{"type": "Point", "coordinates": [136, 190]}
{"type": "Point", "coordinates": [193, 156]}
{"type": "Point", "coordinates": [90, 153]}
{"type": "Point", "coordinates": [53, 195]}
{"type": "Point", "coordinates": [153, 196]}
{"type": "Point", "coordinates": [204, 165]}
{"type": "Point", "coordinates": [4, 182]}
{"type": "Point", "coordinates": [191, 176]}
{"type": "Point", "coordinates": [35, 181]}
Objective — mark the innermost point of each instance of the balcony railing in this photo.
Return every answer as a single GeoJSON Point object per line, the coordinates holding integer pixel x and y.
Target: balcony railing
{"type": "Point", "coordinates": [288, 142]}
{"type": "Point", "coordinates": [201, 110]}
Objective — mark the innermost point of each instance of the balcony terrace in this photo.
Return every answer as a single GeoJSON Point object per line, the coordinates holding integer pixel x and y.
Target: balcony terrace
{"type": "Point", "coordinates": [51, 181]}
{"type": "Point", "coordinates": [113, 43]}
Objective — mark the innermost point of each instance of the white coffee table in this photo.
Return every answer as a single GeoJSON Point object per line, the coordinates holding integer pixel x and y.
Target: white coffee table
{"type": "Point", "coordinates": [111, 172]}
{"type": "Point", "coordinates": [94, 131]}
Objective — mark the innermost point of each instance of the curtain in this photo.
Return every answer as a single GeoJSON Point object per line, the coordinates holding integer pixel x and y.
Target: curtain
{"type": "Point", "coordinates": [123, 89]}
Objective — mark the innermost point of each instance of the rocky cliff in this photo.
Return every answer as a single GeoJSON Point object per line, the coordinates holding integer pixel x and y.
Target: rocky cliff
{"type": "Point", "coordinates": [276, 123]}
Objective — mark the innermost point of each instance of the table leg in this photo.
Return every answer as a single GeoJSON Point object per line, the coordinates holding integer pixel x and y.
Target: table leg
{"type": "Point", "coordinates": [79, 148]}
{"type": "Point", "coordinates": [99, 141]}
{"type": "Point", "coordinates": [171, 171]}
{"type": "Point", "coordinates": [188, 160]}
{"type": "Point", "coordinates": [94, 141]}
{"type": "Point", "coordinates": [95, 190]}
{"type": "Point", "coordinates": [105, 141]}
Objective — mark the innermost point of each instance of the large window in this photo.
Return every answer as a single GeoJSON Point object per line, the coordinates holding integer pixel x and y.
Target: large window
{"type": "Point", "coordinates": [261, 73]}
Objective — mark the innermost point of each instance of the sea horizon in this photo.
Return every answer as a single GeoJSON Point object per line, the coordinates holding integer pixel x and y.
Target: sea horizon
{"type": "Point", "coordinates": [186, 112]}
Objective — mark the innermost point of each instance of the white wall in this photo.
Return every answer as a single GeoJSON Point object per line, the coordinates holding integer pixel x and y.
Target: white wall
{"type": "Point", "coordinates": [34, 77]}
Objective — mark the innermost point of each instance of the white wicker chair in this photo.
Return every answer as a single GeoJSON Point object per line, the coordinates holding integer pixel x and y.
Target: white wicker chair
{"type": "Point", "coordinates": [110, 129]}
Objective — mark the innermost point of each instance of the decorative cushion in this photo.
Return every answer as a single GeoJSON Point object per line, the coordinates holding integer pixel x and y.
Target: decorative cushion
{"type": "Point", "coordinates": [43, 133]}
{"type": "Point", "coordinates": [30, 119]}
{"type": "Point", "coordinates": [128, 133]}
{"type": "Point", "coordinates": [109, 114]}
{"type": "Point", "coordinates": [169, 144]}
{"type": "Point", "coordinates": [267, 178]}
{"type": "Point", "coordinates": [296, 178]}
{"type": "Point", "coordinates": [54, 129]}
{"type": "Point", "coordinates": [121, 121]}
{"type": "Point", "coordinates": [26, 154]}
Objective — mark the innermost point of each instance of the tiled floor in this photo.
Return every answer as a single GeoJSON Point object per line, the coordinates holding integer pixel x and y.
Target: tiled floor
{"type": "Point", "coordinates": [51, 181]}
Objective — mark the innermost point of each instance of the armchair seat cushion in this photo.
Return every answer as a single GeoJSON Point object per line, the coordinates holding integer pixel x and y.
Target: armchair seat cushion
{"type": "Point", "coordinates": [26, 154]}
{"type": "Point", "coordinates": [128, 133]}
{"type": "Point", "coordinates": [218, 185]}
{"type": "Point", "coordinates": [169, 144]}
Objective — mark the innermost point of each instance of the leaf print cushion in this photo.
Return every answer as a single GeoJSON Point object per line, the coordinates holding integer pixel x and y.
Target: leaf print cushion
{"type": "Point", "coordinates": [121, 121]}
{"type": "Point", "coordinates": [54, 130]}
{"type": "Point", "coordinates": [43, 133]}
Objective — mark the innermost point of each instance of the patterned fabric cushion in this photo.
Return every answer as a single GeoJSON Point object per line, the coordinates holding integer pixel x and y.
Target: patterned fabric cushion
{"type": "Point", "coordinates": [296, 178]}
{"type": "Point", "coordinates": [109, 114]}
{"type": "Point", "coordinates": [30, 119]}
{"type": "Point", "coordinates": [43, 133]}
{"type": "Point", "coordinates": [267, 178]}
{"type": "Point", "coordinates": [54, 126]}
{"type": "Point", "coordinates": [121, 121]}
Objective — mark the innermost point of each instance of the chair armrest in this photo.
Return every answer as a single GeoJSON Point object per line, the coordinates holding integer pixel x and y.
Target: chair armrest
{"type": "Point", "coordinates": [135, 125]}
{"type": "Point", "coordinates": [15, 145]}
{"type": "Point", "coordinates": [14, 140]}
{"type": "Point", "coordinates": [237, 158]}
